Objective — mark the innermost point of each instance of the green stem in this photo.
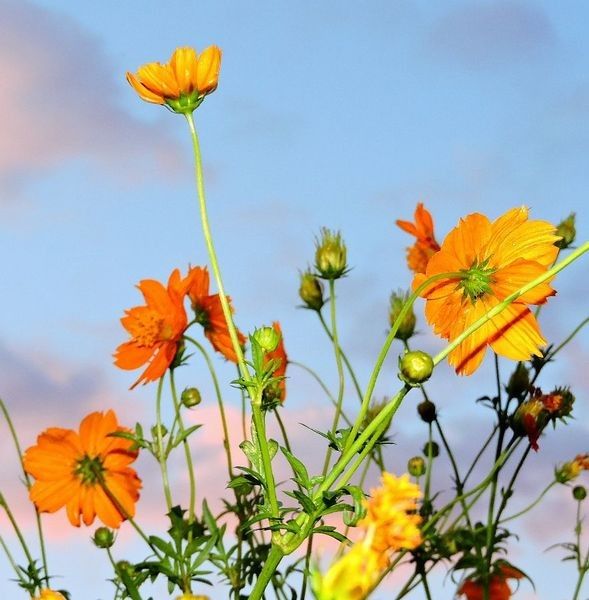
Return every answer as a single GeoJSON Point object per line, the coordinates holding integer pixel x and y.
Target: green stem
{"type": "Point", "coordinates": [187, 454]}
{"type": "Point", "coordinates": [307, 566]}
{"type": "Point", "coordinates": [160, 445]}
{"type": "Point", "coordinates": [272, 561]}
{"type": "Point", "coordinates": [530, 506]}
{"type": "Point", "coordinates": [549, 274]}
{"type": "Point", "coordinates": [576, 330]}
{"type": "Point", "coordinates": [344, 357]}
{"type": "Point", "coordinates": [16, 528]}
{"type": "Point", "coordinates": [28, 483]}
{"type": "Point", "coordinates": [226, 439]}
{"type": "Point", "coordinates": [480, 453]}
{"type": "Point", "coordinates": [270, 485]}
{"type": "Point", "coordinates": [198, 171]}
{"type": "Point", "coordinates": [340, 371]}
{"type": "Point", "coordinates": [322, 384]}
{"type": "Point", "coordinates": [282, 429]}
{"type": "Point", "coordinates": [11, 560]}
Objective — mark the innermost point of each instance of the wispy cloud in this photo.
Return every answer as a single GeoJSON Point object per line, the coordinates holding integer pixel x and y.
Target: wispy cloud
{"type": "Point", "coordinates": [487, 34]}
{"type": "Point", "coordinates": [61, 102]}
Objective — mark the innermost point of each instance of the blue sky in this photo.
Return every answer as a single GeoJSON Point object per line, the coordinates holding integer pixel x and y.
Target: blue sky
{"type": "Point", "coordinates": [340, 115]}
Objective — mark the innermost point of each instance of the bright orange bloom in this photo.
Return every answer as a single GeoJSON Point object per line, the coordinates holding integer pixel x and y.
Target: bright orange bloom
{"type": "Point", "coordinates": [391, 515]}
{"type": "Point", "coordinates": [182, 83]}
{"type": "Point", "coordinates": [491, 261]}
{"type": "Point", "coordinates": [209, 312]}
{"type": "Point", "coordinates": [498, 588]}
{"type": "Point", "coordinates": [280, 371]}
{"type": "Point", "coordinates": [48, 594]}
{"type": "Point", "coordinates": [156, 329]}
{"type": "Point", "coordinates": [87, 472]}
{"type": "Point", "coordinates": [425, 245]}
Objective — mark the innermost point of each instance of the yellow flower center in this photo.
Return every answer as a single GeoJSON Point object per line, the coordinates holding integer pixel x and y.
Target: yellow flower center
{"type": "Point", "coordinates": [477, 280]}
{"type": "Point", "coordinates": [89, 470]}
{"type": "Point", "coordinates": [149, 328]}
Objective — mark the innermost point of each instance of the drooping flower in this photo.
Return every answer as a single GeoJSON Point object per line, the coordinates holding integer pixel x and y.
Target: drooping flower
{"type": "Point", "coordinates": [182, 83]}
{"type": "Point", "coordinates": [425, 245]}
{"type": "Point", "coordinates": [87, 471]}
{"type": "Point", "coordinates": [490, 260]}
{"type": "Point", "coordinates": [209, 312]}
{"type": "Point", "coordinates": [391, 515]}
{"type": "Point", "coordinates": [156, 329]}
{"type": "Point", "coordinates": [474, 589]}
{"type": "Point", "coordinates": [279, 394]}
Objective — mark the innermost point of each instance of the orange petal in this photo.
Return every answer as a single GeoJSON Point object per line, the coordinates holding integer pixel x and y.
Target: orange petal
{"type": "Point", "coordinates": [517, 335]}
{"type": "Point", "coordinates": [144, 93]}
{"type": "Point", "coordinates": [514, 276]}
{"type": "Point", "coordinates": [130, 356]}
{"type": "Point", "coordinates": [159, 79]}
{"type": "Point", "coordinates": [183, 63]}
{"type": "Point", "coordinates": [207, 70]}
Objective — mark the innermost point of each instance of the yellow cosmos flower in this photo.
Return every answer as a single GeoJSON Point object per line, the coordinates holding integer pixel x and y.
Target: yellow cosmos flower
{"type": "Point", "coordinates": [391, 515]}
{"type": "Point", "coordinates": [352, 577]}
{"type": "Point", "coordinates": [48, 594]}
{"type": "Point", "coordinates": [183, 82]}
{"type": "Point", "coordinates": [491, 261]}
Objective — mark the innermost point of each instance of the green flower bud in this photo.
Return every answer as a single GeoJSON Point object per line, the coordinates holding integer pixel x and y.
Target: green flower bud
{"type": "Point", "coordinates": [161, 429]}
{"type": "Point", "coordinates": [103, 537]}
{"type": "Point", "coordinates": [567, 231]}
{"type": "Point", "coordinates": [311, 291]}
{"type": "Point", "coordinates": [124, 566]}
{"type": "Point", "coordinates": [431, 448]}
{"type": "Point", "coordinates": [427, 411]}
{"type": "Point", "coordinates": [416, 466]}
{"type": "Point", "coordinates": [190, 397]}
{"type": "Point", "coordinates": [330, 255]}
{"type": "Point", "coordinates": [267, 337]}
{"type": "Point", "coordinates": [415, 367]}
{"type": "Point", "coordinates": [579, 493]}
{"type": "Point", "coordinates": [407, 326]}
{"type": "Point", "coordinates": [519, 381]}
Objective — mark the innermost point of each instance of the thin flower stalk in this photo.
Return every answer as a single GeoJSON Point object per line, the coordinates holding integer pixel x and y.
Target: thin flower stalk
{"type": "Point", "coordinates": [340, 371]}
{"type": "Point", "coordinates": [243, 368]}
{"type": "Point", "coordinates": [161, 455]}
{"type": "Point", "coordinates": [187, 454]}
{"type": "Point", "coordinates": [220, 403]}
{"type": "Point", "coordinates": [28, 483]}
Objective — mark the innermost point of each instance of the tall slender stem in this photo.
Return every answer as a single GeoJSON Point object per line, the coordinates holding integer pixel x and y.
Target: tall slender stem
{"type": "Point", "coordinates": [340, 371]}
{"type": "Point", "coordinates": [161, 455]}
{"type": "Point", "coordinates": [198, 171]}
{"type": "Point", "coordinates": [28, 484]}
{"type": "Point", "coordinates": [187, 454]}
{"type": "Point", "coordinates": [219, 396]}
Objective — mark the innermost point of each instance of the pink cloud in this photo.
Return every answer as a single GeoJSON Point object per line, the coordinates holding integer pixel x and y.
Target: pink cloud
{"type": "Point", "coordinates": [61, 102]}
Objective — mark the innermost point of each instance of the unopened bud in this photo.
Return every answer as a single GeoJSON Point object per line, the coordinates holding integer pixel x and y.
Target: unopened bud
{"type": "Point", "coordinates": [431, 449]}
{"type": "Point", "coordinates": [192, 597]}
{"type": "Point", "coordinates": [103, 537]}
{"type": "Point", "coordinates": [311, 291]}
{"type": "Point", "coordinates": [124, 566]}
{"type": "Point", "coordinates": [190, 397]}
{"type": "Point", "coordinates": [579, 493]}
{"type": "Point", "coordinates": [427, 411]}
{"type": "Point", "coordinates": [567, 471]}
{"type": "Point", "coordinates": [567, 232]}
{"type": "Point", "coordinates": [559, 403]}
{"type": "Point", "coordinates": [267, 338]}
{"type": "Point", "coordinates": [407, 325]}
{"type": "Point", "coordinates": [158, 431]}
{"type": "Point", "coordinates": [330, 255]}
{"type": "Point", "coordinates": [519, 381]}
{"type": "Point", "coordinates": [416, 466]}
{"type": "Point", "coordinates": [415, 367]}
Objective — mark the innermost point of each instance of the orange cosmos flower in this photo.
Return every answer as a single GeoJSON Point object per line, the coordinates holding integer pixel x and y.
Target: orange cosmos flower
{"type": "Point", "coordinates": [48, 594]}
{"type": "Point", "coordinates": [156, 329]}
{"type": "Point", "coordinates": [425, 245]}
{"type": "Point", "coordinates": [280, 371]}
{"type": "Point", "coordinates": [498, 588]}
{"type": "Point", "coordinates": [494, 260]}
{"type": "Point", "coordinates": [182, 83]}
{"type": "Point", "coordinates": [87, 471]}
{"type": "Point", "coordinates": [209, 312]}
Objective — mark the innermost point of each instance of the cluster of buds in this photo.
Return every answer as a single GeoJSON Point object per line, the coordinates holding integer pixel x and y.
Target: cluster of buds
{"type": "Point", "coordinates": [532, 416]}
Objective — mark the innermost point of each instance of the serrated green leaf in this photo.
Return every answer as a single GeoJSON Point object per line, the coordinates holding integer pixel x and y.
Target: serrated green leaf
{"type": "Point", "coordinates": [299, 469]}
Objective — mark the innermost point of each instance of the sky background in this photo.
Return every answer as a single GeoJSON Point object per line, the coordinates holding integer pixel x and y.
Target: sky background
{"type": "Point", "coordinates": [342, 115]}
